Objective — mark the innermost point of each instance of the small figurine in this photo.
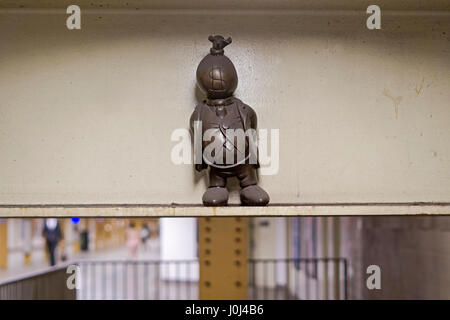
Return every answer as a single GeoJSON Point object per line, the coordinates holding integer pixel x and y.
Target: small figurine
{"type": "Point", "coordinates": [215, 118]}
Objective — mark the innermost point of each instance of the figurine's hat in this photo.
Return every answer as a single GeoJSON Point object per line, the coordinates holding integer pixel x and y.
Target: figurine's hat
{"type": "Point", "coordinates": [219, 43]}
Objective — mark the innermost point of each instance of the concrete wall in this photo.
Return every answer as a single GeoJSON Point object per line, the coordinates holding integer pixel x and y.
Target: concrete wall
{"type": "Point", "coordinates": [413, 254]}
{"type": "Point", "coordinates": [178, 241]}
{"type": "Point", "coordinates": [86, 116]}
{"type": "Point", "coordinates": [269, 241]}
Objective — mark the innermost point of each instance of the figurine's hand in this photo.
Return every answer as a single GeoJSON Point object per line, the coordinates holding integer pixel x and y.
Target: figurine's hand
{"type": "Point", "coordinates": [199, 167]}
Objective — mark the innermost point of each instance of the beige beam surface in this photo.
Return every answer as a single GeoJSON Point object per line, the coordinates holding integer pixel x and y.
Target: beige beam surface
{"type": "Point", "coordinates": [180, 210]}
{"type": "Point", "coordinates": [87, 116]}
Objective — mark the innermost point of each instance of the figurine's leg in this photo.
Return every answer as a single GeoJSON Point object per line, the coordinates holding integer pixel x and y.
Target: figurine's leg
{"type": "Point", "coordinates": [216, 194]}
{"type": "Point", "coordinates": [251, 194]}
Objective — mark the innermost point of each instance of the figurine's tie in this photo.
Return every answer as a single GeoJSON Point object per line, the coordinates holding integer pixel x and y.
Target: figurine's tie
{"type": "Point", "coordinates": [221, 112]}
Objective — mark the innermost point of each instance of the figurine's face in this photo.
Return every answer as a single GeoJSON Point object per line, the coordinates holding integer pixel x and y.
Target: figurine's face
{"type": "Point", "coordinates": [217, 77]}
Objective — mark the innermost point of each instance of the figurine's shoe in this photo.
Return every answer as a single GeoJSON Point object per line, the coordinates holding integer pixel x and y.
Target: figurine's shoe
{"type": "Point", "coordinates": [215, 196]}
{"type": "Point", "coordinates": [254, 196]}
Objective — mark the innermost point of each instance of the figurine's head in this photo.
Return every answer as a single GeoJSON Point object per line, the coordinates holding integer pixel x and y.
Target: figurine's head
{"type": "Point", "coordinates": [216, 74]}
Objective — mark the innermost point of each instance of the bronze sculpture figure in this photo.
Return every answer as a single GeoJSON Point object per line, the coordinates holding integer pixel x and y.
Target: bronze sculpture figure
{"type": "Point", "coordinates": [220, 116]}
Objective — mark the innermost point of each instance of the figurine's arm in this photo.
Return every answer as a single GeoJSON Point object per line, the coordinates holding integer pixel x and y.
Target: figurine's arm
{"type": "Point", "coordinates": [194, 117]}
{"type": "Point", "coordinates": [193, 128]}
{"type": "Point", "coordinates": [253, 119]}
{"type": "Point", "coordinates": [253, 124]}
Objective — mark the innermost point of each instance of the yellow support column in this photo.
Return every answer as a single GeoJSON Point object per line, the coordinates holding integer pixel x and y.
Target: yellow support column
{"type": "Point", "coordinates": [27, 241]}
{"type": "Point", "coordinates": [223, 247]}
{"type": "Point", "coordinates": [3, 244]}
{"type": "Point", "coordinates": [99, 234]}
{"type": "Point", "coordinates": [77, 241]}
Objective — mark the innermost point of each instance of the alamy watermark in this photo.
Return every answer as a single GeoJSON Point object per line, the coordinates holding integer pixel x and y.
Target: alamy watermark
{"type": "Point", "coordinates": [374, 280]}
{"type": "Point", "coordinates": [374, 20]}
{"type": "Point", "coordinates": [240, 146]}
{"type": "Point", "coordinates": [74, 280]}
{"type": "Point", "coordinates": [73, 22]}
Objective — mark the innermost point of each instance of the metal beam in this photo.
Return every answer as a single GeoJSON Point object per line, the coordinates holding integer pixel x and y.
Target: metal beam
{"type": "Point", "coordinates": [189, 210]}
{"type": "Point", "coordinates": [223, 251]}
{"type": "Point", "coordinates": [3, 244]}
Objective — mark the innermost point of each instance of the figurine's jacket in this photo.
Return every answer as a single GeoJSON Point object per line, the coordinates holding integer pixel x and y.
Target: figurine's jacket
{"type": "Point", "coordinates": [238, 116]}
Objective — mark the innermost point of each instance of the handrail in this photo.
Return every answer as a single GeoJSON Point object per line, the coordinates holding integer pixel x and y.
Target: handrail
{"type": "Point", "coordinates": [47, 270]}
{"type": "Point", "coordinates": [114, 278]}
{"type": "Point", "coordinates": [34, 274]}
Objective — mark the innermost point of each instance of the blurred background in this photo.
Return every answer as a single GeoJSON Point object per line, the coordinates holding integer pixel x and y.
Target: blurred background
{"type": "Point", "coordinates": [288, 258]}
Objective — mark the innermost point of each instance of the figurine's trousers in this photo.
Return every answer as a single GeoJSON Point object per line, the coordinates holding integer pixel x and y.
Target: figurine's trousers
{"type": "Point", "coordinates": [246, 174]}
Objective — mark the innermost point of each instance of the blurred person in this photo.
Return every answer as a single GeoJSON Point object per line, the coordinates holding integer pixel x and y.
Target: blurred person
{"type": "Point", "coordinates": [63, 250]}
{"type": "Point", "coordinates": [145, 234]}
{"type": "Point", "coordinates": [84, 239]}
{"type": "Point", "coordinates": [132, 240]}
{"type": "Point", "coordinates": [52, 234]}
